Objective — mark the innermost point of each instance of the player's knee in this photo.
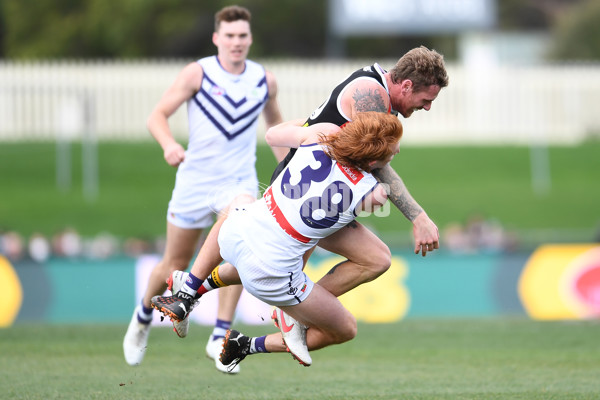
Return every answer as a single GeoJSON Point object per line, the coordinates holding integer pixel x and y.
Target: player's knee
{"type": "Point", "coordinates": [380, 261]}
{"type": "Point", "coordinates": [385, 260]}
{"type": "Point", "coordinates": [349, 331]}
{"type": "Point", "coordinates": [346, 330]}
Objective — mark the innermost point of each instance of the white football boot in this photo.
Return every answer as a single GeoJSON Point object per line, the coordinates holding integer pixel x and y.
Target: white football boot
{"type": "Point", "coordinates": [213, 351]}
{"type": "Point", "coordinates": [136, 340]}
{"type": "Point", "coordinates": [294, 336]}
{"type": "Point", "coordinates": [175, 282]}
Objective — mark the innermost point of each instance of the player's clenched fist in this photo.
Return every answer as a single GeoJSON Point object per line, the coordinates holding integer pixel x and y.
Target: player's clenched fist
{"type": "Point", "coordinates": [174, 154]}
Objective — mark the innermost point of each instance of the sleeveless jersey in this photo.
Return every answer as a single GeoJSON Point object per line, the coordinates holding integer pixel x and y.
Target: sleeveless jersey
{"type": "Point", "coordinates": [331, 110]}
{"type": "Point", "coordinates": [222, 119]}
{"type": "Point", "coordinates": [311, 199]}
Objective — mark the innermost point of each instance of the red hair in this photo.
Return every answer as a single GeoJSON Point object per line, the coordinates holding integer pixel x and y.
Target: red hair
{"type": "Point", "coordinates": [369, 137]}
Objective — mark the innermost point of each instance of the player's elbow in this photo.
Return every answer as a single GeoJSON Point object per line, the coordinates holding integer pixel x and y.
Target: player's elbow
{"type": "Point", "coordinates": [269, 137]}
{"type": "Point", "coordinates": [149, 123]}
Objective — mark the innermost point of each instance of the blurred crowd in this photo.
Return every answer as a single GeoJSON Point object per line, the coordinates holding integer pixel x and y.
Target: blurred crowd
{"type": "Point", "coordinates": [478, 235]}
{"type": "Point", "coordinates": [68, 243]}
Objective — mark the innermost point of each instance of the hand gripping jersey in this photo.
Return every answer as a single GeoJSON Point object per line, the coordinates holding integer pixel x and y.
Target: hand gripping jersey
{"type": "Point", "coordinates": [312, 198]}
{"type": "Point", "coordinates": [222, 118]}
{"type": "Point", "coordinates": [331, 110]}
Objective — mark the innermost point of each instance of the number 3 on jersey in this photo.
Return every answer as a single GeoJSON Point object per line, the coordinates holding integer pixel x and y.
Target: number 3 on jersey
{"type": "Point", "coordinates": [319, 212]}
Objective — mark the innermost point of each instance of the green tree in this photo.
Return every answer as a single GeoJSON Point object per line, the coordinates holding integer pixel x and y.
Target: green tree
{"type": "Point", "coordinates": [153, 28]}
{"type": "Point", "coordinates": [523, 15]}
{"type": "Point", "coordinates": [577, 34]}
{"type": "Point", "coordinates": [91, 28]}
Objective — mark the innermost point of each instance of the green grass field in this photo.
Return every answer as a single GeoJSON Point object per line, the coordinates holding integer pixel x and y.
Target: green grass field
{"type": "Point", "coordinates": [450, 182]}
{"type": "Point", "coordinates": [414, 359]}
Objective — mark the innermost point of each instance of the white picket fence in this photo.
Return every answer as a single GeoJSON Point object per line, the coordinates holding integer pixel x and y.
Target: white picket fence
{"type": "Point", "coordinates": [110, 100]}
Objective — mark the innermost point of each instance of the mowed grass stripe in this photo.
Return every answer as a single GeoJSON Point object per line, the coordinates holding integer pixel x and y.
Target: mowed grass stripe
{"type": "Point", "coordinates": [414, 359]}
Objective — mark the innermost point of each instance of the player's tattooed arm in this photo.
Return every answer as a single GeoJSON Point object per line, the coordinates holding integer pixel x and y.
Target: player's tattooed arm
{"type": "Point", "coordinates": [368, 100]}
{"type": "Point", "coordinates": [397, 192]}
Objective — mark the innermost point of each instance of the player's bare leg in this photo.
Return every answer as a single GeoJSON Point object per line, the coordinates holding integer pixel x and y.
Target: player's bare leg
{"type": "Point", "coordinates": [180, 247]}
{"type": "Point", "coordinates": [330, 323]}
{"type": "Point", "coordinates": [179, 250]}
{"type": "Point", "coordinates": [208, 258]}
{"type": "Point", "coordinates": [367, 258]}
{"type": "Point", "coordinates": [228, 300]}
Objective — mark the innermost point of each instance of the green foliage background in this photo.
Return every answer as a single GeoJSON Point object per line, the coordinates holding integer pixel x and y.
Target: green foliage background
{"type": "Point", "coordinates": [282, 28]}
{"type": "Point", "coordinates": [578, 33]}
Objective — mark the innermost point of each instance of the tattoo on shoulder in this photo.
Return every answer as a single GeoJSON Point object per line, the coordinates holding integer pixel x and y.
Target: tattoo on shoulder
{"type": "Point", "coordinates": [368, 100]}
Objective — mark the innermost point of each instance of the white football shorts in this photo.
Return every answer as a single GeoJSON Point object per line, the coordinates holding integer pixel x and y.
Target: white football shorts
{"type": "Point", "coordinates": [194, 206]}
{"type": "Point", "coordinates": [277, 287]}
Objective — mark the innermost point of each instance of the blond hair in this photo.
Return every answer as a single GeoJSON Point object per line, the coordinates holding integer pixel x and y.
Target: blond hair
{"type": "Point", "coordinates": [423, 67]}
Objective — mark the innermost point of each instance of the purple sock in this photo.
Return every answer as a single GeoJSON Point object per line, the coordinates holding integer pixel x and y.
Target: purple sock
{"type": "Point", "coordinates": [259, 345]}
{"type": "Point", "coordinates": [193, 282]}
{"type": "Point", "coordinates": [146, 310]}
{"type": "Point", "coordinates": [220, 329]}
{"type": "Point", "coordinates": [144, 316]}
